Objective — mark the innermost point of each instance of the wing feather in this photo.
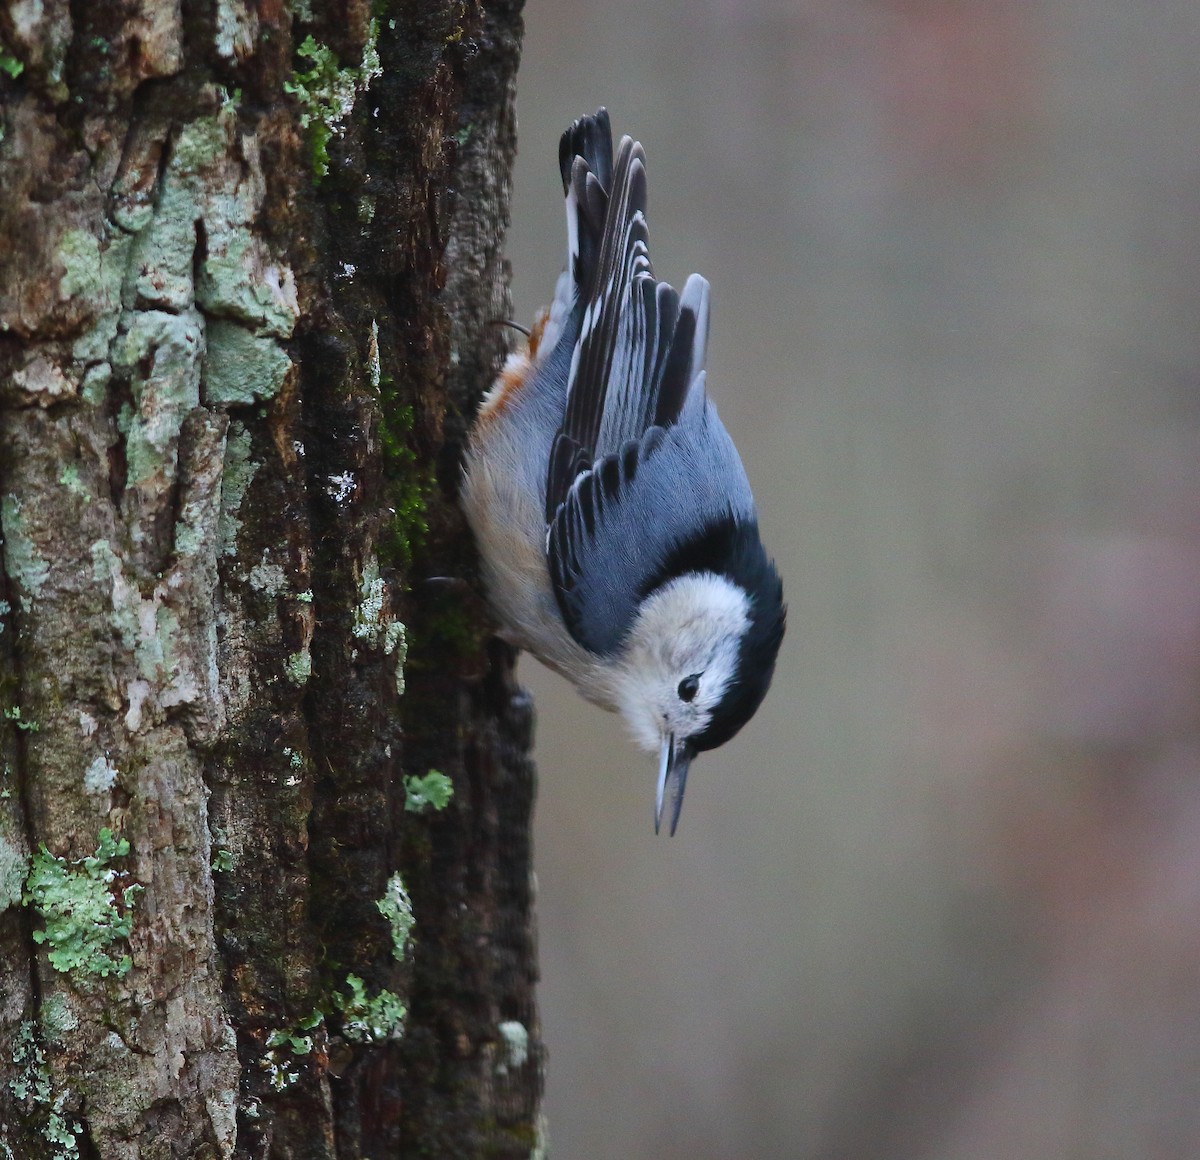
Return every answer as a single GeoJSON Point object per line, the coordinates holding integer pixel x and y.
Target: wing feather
{"type": "Point", "coordinates": [637, 360]}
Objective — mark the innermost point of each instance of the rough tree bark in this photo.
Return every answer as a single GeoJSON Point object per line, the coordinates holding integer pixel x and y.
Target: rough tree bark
{"type": "Point", "coordinates": [248, 254]}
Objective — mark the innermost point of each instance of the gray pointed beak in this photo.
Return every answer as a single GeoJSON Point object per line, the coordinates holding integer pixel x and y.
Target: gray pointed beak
{"type": "Point", "coordinates": [672, 779]}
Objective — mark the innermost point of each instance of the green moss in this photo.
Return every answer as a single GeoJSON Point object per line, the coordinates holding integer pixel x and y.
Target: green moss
{"type": "Point", "coordinates": [431, 792]}
{"type": "Point", "coordinates": [241, 367]}
{"type": "Point", "coordinates": [396, 907]}
{"type": "Point", "coordinates": [410, 484]}
{"type": "Point", "coordinates": [326, 92]}
{"type": "Point", "coordinates": [10, 66]}
{"type": "Point", "coordinates": [81, 914]}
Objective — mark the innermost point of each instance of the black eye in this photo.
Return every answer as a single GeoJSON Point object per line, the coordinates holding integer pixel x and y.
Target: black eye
{"type": "Point", "coordinates": [689, 687]}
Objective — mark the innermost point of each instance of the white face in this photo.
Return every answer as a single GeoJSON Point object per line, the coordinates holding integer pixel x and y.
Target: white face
{"type": "Point", "coordinates": [683, 645]}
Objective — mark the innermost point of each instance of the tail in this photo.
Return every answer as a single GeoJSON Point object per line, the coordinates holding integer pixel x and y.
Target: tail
{"type": "Point", "coordinates": [639, 345]}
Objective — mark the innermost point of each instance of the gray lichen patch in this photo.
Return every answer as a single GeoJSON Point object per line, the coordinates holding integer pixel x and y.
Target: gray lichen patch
{"type": "Point", "coordinates": [515, 1038]}
{"type": "Point", "coordinates": [396, 907]}
{"type": "Point", "coordinates": [238, 473]}
{"type": "Point", "coordinates": [100, 776]}
{"type": "Point", "coordinates": [43, 380]}
{"type": "Point", "coordinates": [22, 560]}
{"type": "Point", "coordinates": [268, 578]}
{"type": "Point", "coordinates": [242, 367]}
{"type": "Point", "coordinates": [163, 257]}
{"type": "Point", "coordinates": [93, 273]}
{"type": "Point", "coordinates": [298, 666]}
{"type": "Point", "coordinates": [14, 865]}
{"type": "Point", "coordinates": [161, 352]}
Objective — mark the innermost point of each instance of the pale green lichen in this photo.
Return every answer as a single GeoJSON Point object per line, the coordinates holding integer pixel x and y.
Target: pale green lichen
{"type": "Point", "coordinates": [239, 472]}
{"type": "Point", "coordinates": [79, 253]}
{"type": "Point", "coordinates": [149, 630]}
{"type": "Point", "coordinates": [374, 368]}
{"type": "Point", "coordinates": [14, 865]}
{"type": "Point", "coordinates": [242, 367]}
{"type": "Point", "coordinates": [298, 666]}
{"type": "Point", "coordinates": [396, 907]}
{"type": "Point", "coordinates": [268, 578]}
{"type": "Point", "coordinates": [32, 1086]}
{"type": "Point", "coordinates": [284, 1048]}
{"type": "Point", "coordinates": [368, 612]}
{"type": "Point", "coordinates": [13, 714]}
{"type": "Point", "coordinates": [100, 776]}
{"type": "Point", "coordinates": [22, 561]}
{"type": "Point", "coordinates": [93, 270]}
{"type": "Point", "coordinates": [79, 909]}
{"type": "Point", "coordinates": [163, 259]}
{"type": "Point", "coordinates": [161, 353]}
{"type": "Point", "coordinates": [57, 1018]}
{"type": "Point", "coordinates": [235, 31]}
{"type": "Point", "coordinates": [373, 622]}
{"type": "Point", "coordinates": [239, 281]}
{"type": "Point", "coordinates": [516, 1045]}
{"type": "Point", "coordinates": [69, 478]}
{"type": "Point", "coordinates": [95, 383]}
{"type": "Point", "coordinates": [367, 1018]}
{"type": "Point", "coordinates": [326, 92]}
{"type": "Point", "coordinates": [396, 640]}
{"type": "Point", "coordinates": [431, 792]}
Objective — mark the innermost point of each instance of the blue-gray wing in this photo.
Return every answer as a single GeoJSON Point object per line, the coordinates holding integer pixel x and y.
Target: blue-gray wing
{"type": "Point", "coordinates": [613, 536]}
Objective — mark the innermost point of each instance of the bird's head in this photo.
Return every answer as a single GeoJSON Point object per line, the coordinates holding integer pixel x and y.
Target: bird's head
{"type": "Point", "coordinates": [697, 664]}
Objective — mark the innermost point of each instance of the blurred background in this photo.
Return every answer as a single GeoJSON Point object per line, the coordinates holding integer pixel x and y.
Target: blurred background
{"type": "Point", "coordinates": [941, 898]}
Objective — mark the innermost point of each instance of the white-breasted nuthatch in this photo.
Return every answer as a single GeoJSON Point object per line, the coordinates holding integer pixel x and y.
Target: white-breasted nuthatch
{"type": "Point", "coordinates": [614, 519]}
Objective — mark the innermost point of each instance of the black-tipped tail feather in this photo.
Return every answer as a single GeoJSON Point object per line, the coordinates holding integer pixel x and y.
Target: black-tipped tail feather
{"type": "Point", "coordinates": [640, 346]}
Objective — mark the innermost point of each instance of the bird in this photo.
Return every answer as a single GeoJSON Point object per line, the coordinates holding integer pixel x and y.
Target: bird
{"type": "Point", "coordinates": [617, 532]}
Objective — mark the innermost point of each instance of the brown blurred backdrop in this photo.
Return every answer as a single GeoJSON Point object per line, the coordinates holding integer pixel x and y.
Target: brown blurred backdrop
{"type": "Point", "coordinates": [941, 899]}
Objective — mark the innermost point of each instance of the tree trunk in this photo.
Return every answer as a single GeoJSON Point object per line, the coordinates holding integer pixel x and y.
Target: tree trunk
{"type": "Point", "coordinates": [249, 252]}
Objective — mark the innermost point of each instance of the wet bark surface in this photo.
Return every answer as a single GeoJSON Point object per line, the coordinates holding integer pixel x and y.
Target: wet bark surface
{"type": "Point", "coordinates": [250, 257]}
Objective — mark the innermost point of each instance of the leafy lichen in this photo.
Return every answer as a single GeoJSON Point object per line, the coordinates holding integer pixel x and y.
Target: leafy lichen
{"type": "Point", "coordinates": [31, 1086]}
{"type": "Point", "coordinates": [326, 92]}
{"type": "Point", "coordinates": [81, 913]}
{"type": "Point", "coordinates": [396, 907]}
{"type": "Point", "coordinates": [431, 792]}
{"type": "Point", "coordinates": [369, 1018]}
